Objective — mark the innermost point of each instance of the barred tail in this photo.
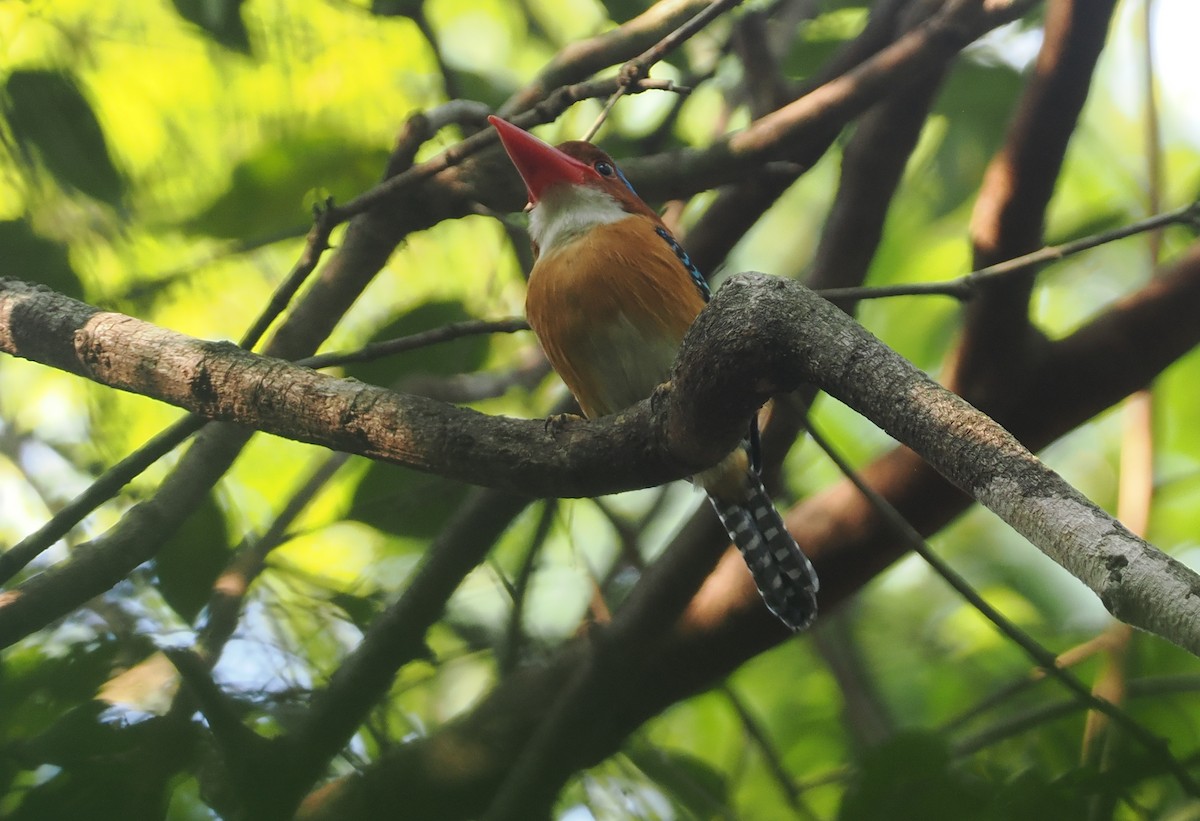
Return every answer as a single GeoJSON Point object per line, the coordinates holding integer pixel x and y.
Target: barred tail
{"type": "Point", "coordinates": [784, 575]}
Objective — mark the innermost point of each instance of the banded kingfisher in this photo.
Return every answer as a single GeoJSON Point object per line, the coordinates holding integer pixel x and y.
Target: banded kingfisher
{"type": "Point", "coordinates": [610, 297]}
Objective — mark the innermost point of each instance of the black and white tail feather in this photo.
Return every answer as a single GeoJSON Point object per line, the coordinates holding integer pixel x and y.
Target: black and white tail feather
{"type": "Point", "coordinates": [784, 575]}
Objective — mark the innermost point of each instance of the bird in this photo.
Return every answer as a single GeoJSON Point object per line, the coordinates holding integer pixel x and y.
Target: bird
{"type": "Point", "coordinates": [610, 296]}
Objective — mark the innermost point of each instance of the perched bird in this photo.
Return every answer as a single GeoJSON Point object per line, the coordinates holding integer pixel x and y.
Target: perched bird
{"type": "Point", "coordinates": [610, 298]}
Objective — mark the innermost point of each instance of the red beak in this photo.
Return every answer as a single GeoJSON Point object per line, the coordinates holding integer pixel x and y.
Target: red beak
{"type": "Point", "coordinates": [540, 164]}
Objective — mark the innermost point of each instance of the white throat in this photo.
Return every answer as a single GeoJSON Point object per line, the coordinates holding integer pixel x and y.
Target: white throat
{"type": "Point", "coordinates": [567, 212]}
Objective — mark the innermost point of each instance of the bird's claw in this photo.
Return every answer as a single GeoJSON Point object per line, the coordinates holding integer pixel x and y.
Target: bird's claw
{"type": "Point", "coordinates": [556, 422]}
{"type": "Point", "coordinates": [659, 396]}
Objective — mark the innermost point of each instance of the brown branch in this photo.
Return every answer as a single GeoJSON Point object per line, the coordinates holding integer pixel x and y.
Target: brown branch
{"type": "Point", "coordinates": [1046, 660]}
{"type": "Point", "coordinates": [972, 284]}
{"type": "Point", "coordinates": [585, 57]}
{"type": "Point", "coordinates": [787, 133]}
{"type": "Point", "coordinates": [872, 166]}
{"type": "Point", "coordinates": [412, 342]}
{"type": "Point", "coordinates": [724, 625]}
{"type": "Point", "coordinates": [634, 71]}
{"type": "Point", "coordinates": [737, 208]}
{"type": "Point", "coordinates": [221, 381]}
{"type": "Point", "coordinates": [998, 340]}
{"type": "Point", "coordinates": [368, 242]}
{"type": "Point", "coordinates": [759, 336]}
{"type": "Point", "coordinates": [110, 483]}
{"type": "Point", "coordinates": [105, 487]}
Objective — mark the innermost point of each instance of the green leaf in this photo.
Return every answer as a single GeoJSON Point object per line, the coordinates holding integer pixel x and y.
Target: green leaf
{"type": "Point", "coordinates": [461, 355]}
{"type": "Point", "coordinates": [977, 102]}
{"type": "Point", "coordinates": [272, 192]}
{"type": "Point", "coordinates": [220, 19]}
{"type": "Point", "coordinates": [397, 8]}
{"type": "Point", "coordinates": [492, 89]}
{"type": "Point", "coordinates": [691, 782]}
{"type": "Point", "coordinates": [910, 777]}
{"type": "Point", "coordinates": [33, 258]}
{"type": "Point", "coordinates": [404, 502]}
{"type": "Point", "coordinates": [1030, 795]}
{"type": "Point", "coordinates": [37, 688]}
{"type": "Point", "coordinates": [192, 558]}
{"type": "Point", "coordinates": [393, 499]}
{"type": "Point", "coordinates": [105, 772]}
{"type": "Point", "coordinates": [50, 117]}
{"type": "Point", "coordinates": [622, 11]}
{"type": "Point", "coordinates": [361, 610]}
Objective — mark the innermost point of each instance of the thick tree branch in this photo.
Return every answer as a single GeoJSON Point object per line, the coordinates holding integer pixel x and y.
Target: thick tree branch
{"type": "Point", "coordinates": [998, 340]}
{"type": "Point", "coordinates": [368, 242]}
{"type": "Point", "coordinates": [760, 336]}
{"type": "Point", "coordinates": [724, 624]}
{"type": "Point", "coordinates": [739, 206]}
{"type": "Point", "coordinates": [785, 134]}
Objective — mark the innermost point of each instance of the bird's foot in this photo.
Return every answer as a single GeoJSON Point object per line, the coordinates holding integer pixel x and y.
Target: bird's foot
{"type": "Point", "coordinates": [659, 397]}
{"type": "Point", "coordinates": [556, 422]}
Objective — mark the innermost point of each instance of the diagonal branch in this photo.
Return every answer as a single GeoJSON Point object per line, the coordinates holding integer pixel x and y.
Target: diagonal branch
{"type": "Point", "coordinates": [790, 132]}
{"type": "Point", "coordinates": [998, 338]}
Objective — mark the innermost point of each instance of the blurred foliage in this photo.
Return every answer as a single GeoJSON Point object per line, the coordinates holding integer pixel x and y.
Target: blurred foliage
{"type": "Point", "coordinates": [163, 159]}
{"type": "Point", "coordinates": [52, 121]}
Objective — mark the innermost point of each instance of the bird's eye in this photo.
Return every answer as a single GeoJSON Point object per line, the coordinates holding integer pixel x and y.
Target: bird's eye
{"type": "Point", "coordinates": [605, 169]}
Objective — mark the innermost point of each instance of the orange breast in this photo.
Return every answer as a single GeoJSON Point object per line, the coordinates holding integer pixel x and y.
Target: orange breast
{"type": "Point", "coordinates": [610, 310]}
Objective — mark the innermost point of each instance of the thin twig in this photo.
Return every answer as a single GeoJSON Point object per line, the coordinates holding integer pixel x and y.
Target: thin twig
{"type": "Point", "coordinates": [1068, 658]}
{"type": "Point", "coordinates": [105, 487]}
{"type": "Point", "coordinates": [1151, 686]}
{"type": "Point", "coordinates": [403, 344]}
{"type": "Point", "coordinates": [112, 480]}
{"type": "Point", "coordinates": [966, 286]}
{"type": "Point", "coordinates": [548, 109]}
{"type": "Point", "coordinates": [771, 756]}
{"type": "Point", "coordinates": [632, 75]}
{"type": "Point", "coordinates": [512, 645]}
{"type": "Point", "coordinates": [1156, 746]}
{"type": "Point", "coordinates": [639, 85]}
{"type": "Point", "coordinates": [238, 742]}
{"type": "Point", "coordinates": [315, 245]}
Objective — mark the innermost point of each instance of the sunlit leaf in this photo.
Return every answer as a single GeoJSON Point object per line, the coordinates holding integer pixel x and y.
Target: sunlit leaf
{"type": "Point", "coordinates": [405, 502]}
{"type": "Point", "coordinates": [396, 8]}
{"type": "Point", "coordinates": [689, 781]}
{"type": "Point", "coordinates": [192, 558]}
{"type": "Point", "coordinates": [220, 19]}
{"type": "Point", "coordinates": [461, 355]}
{"type": "Point", "coordinates": [34, 258]}
{"type": "Point", "coordinates": [977, 102]}
{"type": "Point", "coordinates": [272, 192]}
{"type": "Point", "coordinates": [50, 117]}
